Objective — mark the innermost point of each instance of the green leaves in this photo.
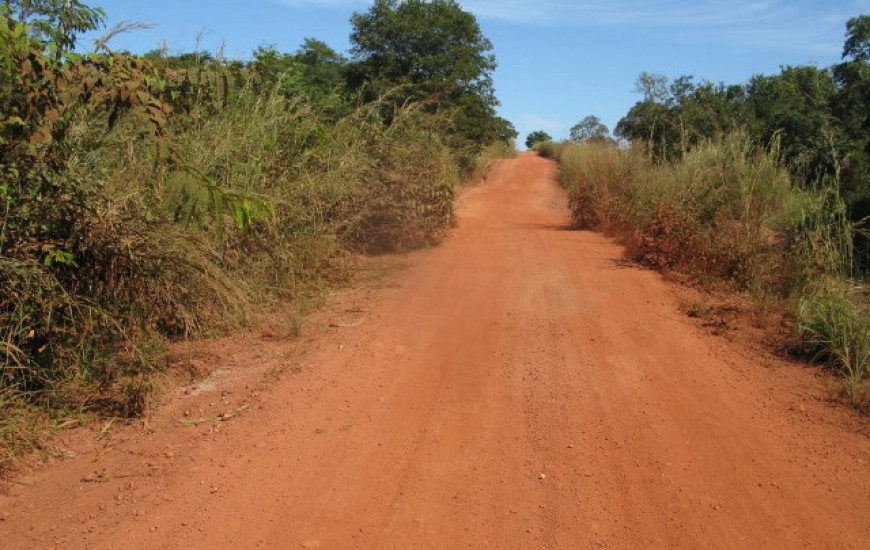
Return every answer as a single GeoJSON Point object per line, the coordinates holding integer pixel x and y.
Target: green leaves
{"type": "Point", "coordinates": [58, 256]}
{"type": "Point", "coordinates": [536, 137]}
{"type": "Point", "coordinates": [197, 200]}
{"type": "Point", "coordinates": [857, 44]}
{"type": "Point", "coordinates": [433, 53]}
{"type": "Point", "coordinates": [57, 23]}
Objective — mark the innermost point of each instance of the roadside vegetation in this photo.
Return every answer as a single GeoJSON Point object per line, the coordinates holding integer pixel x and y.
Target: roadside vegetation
{"type": "Point", "coordinates": [764, 187]}
{"type": "Point", "coordinates": [152, 198]}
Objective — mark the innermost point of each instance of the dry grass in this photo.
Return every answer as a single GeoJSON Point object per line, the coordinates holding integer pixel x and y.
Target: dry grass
{"type": "Point", "coordinates": [729, 213]}
{"type": "Point", "coordinates": [259, 203]}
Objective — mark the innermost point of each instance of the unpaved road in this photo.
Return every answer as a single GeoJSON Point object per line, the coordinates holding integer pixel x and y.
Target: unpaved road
{"type": "Point", "coordinates": [518, 387]}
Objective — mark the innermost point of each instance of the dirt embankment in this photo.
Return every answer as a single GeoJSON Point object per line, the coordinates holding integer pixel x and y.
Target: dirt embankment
{"type": "Point", "coordinates": [518, 387]}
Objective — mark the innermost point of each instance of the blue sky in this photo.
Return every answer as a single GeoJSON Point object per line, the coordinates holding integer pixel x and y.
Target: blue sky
{"type": "Point", "coordinates": [559, 60]}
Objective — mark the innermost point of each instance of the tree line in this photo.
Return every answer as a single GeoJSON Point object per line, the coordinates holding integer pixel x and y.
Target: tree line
{"type": "Point", "coordinates": [817, 119]}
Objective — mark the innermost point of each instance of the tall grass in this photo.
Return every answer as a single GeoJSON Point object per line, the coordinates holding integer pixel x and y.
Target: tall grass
{"type": "Point", "coordinates": [549, 149]}
{"type": "Point", "coordinates": [837, 330]}
{"type": "Point", "coordinates": [255, 201]}
{"type": "Point", "coordinates": [729, 212]}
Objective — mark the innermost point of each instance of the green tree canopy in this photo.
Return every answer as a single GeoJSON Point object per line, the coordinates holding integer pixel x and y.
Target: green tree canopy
{"type": "Point", "coordinates": [538, 136]}
{"type": "Point", "coordinates": [321, 66]}
{"type": "Point", "coordinates": [590, 128]}
{"type": "Point", "coordinates": [429, 51]}
{"type": "Point", "coordinates": [795, 105]}
{"type": "Point", "coordinates": [434, 46]}
{"type": "Point", "coordinates": [857, 46]}
{"type": "Point", "coordinates": [56, 21]}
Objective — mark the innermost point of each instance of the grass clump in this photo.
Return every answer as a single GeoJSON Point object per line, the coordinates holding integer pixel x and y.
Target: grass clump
{"type": "Point", "coordinates": [836, 329]}
{"type": "Point", "coordinates": [548, 149]}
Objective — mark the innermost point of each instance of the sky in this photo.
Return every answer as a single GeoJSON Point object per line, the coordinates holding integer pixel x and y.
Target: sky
{"type": "Point", "coordinates": [558, 60]}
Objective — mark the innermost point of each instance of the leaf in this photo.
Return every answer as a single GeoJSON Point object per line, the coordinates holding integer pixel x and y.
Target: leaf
{"type": "Point", "coordinates": [40, 136]}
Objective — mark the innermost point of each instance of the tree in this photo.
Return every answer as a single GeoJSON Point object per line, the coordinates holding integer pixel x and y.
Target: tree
{"type": "Point", "coordinates": [57, 21]}
{"type": "Point", "coordinates": [851, 108]}
{"type": "Point", "coordinates": [432, 52]}
{"type": "Point", "coordinates": [652, 86]}
{"type": "Point", "coordinates": [857, 44]}
{"type": "Point", "coordinates": [433, 46]}
{"type": "Point", "coordinates": [674, 118]}
{"type": "Point", "coordinates": [322, 67]}
{"type": "Point", "coordinates": [590, 128]}
{"type": "Point", "coordinates": [538, 136]}
{"type": "Point", "coordinates": [795, 106]}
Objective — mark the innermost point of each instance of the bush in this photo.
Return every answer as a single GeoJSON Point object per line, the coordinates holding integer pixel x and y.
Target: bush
{"type": "Point", "coordinates": [547, 149]}
{"type": "Point", "coordinates": [837, 330]}
{"type": "Point", "coordinates": [484, 161]}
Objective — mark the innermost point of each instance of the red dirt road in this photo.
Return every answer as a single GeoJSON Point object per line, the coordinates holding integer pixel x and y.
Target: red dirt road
{"type": "Point", "coordinates": [518, 387]}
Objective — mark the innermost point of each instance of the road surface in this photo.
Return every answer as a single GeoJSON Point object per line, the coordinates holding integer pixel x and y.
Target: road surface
{"type": "Point", "coordinates": [518, 387]}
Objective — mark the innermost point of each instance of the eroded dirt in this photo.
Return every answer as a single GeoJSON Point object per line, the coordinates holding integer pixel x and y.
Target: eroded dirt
{"type": "Point", "coordinates": [518, 387]}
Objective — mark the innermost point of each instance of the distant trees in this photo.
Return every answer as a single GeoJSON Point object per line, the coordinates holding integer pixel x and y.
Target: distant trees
{"type": "Point", "coordinates": [538, 136]}
{"type": "Point", "coordinates": [818, 117]}
{"type": "Point", "coordinates": [590, 129]}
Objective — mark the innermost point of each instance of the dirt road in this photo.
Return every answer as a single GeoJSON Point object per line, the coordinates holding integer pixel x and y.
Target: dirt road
{"type": "Point", "coordinates": [518, 387]}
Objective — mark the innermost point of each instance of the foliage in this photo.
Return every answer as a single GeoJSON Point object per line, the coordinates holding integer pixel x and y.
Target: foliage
{"type": "Point", "coordinates": [536, 137]}
{"type": "Point", "coordinates": [837, 330]}
{"type": "Point", "coordinates": [818, 117]}
{"type": "Point", "coordinates": [488, 157]}
{"type": "Point", "coordinates": [590, 128]}
{"type": "Point", "coordinates": [434, 46]}
{"type": "Point", "coordinates": [432, 52]}
{"type": "Point", "coordinates": [549, 149]}
{"type": "Point", "coordinates": [147, 199]}
{"type": "Point", "coordinates": [728, 210]}
{"type": "Point", "coordinates": [857, 44]}
{"type": "Point", "coordinates": [56, 22]}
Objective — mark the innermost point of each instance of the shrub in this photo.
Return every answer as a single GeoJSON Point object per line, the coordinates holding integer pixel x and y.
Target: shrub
{"type": "Point", "coordinates": [727, 210]}
{"type": "Point", "coordinates": [837, 330]}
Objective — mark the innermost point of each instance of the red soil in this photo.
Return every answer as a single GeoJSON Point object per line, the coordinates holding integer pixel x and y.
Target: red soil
{"type": "Point", "coordinates": [517, 387]}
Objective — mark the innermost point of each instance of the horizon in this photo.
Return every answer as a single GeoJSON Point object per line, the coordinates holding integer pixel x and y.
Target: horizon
{"type": "Point", "coordinates": [557, 61]}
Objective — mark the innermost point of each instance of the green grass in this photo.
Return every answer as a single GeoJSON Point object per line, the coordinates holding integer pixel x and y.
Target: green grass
{"type": "Point", "coordinates": [837, 330]}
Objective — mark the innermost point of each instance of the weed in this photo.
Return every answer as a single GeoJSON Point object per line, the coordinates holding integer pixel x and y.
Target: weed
{"type": "Point", "coordinates": [837, 330]}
